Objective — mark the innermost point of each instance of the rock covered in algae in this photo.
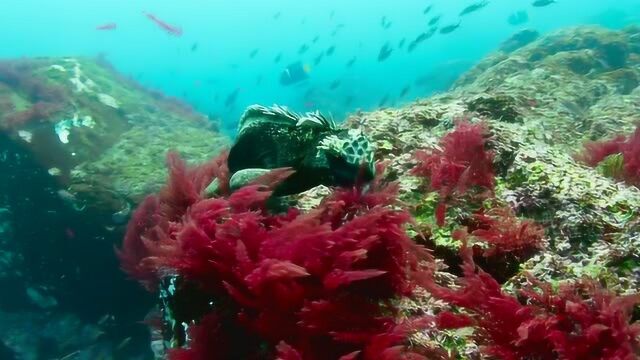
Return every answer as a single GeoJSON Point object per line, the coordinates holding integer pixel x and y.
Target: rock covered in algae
{"type": "Point", "coordinates": [99, 134]}
{"type": "Point", "coordinates": [540, 102]}
{"type": "Point", "coordinates": [79, 146]}
{"type": "Point", "coordinates": [575, 84]}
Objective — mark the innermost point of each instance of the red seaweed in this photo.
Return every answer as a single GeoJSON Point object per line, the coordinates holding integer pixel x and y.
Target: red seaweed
{"type": "Point", "coordinates": [628, 146]}
{"type": "Point", "coordinates": [47, 100]}
{"type": "Point", "coordinates": [579, 321]}
{"type": "Point", "coordinates": [596, 151]}
{"type": "Point", "coordinates": [314, 286]}
{"type": "Point", "coordinates": [323, 285]}
{"type": "Point", "coordinates": [501, 233]}
{"type": "Point", "coordinates": [461, 163]}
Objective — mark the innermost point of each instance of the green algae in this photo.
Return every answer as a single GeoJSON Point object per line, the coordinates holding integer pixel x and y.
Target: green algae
{"type": "Point", "coordinates": [612, 166]}
{"type": "Point", "coordinates": [501, 107]}
{"type": "Point", "coordinates": [118, 156]}
{"type": "Point", "coordinates": [557, 92]}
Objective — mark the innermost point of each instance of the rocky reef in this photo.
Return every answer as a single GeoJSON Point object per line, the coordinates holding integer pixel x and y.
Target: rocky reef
{"type": "Point", "coordinates": [99, 134]}
{"type": "Point", "coordinates": [533, 254]}
{"type": "Point", "coordinates": [540, 103]}
{"type": "Point", "coordinates": [539, 110]}
{"type": "Point", "coordinates": [80, 145]}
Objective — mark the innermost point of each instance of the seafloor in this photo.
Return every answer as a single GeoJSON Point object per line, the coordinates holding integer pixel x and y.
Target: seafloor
{"type": "Point", "coordinates": [81, 145]}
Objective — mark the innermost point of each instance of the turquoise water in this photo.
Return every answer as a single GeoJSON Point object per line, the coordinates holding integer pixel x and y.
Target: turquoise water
{"type": "Point", "coordinates": [212, 59]}
{"type": "Point", "coordinates": [221, 57]}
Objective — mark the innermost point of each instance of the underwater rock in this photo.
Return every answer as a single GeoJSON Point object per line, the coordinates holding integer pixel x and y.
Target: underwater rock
{"type": "Point", "coordinates": [566, 78]}
{"type": "Point", "coordinates": [107, 135]}
{"type": "Point", "coordinates": [43, 335]}
{"type": "Point", "coordinates": [80, 144]}
{"type": "Point", "coordinates": [519, 39]}
{"type": "Point", "coordinates": [497, 172]}
{"type": "Point", "coordinates": [500, 107]}
{"type": "Point", "coordinates": [562, 89]}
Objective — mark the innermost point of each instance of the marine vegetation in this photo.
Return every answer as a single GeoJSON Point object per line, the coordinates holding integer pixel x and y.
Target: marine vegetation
{"type": "Point", "coordinates": [325, 284]}
{"type": "Point", "coordinates": [460, 164]}
{"type": "Point", "coordinates": [501, 241]}
{"type": "Point", "coordinates": [318, 285]}
{"type": "Point", "coordinates": [461, 170]}
{"type": "Point", "coordinates": [618, 157]}
{"type": "Point", "coordinates": [483, 238]}
{"type": "Point", "coordinates": [38, 100]}
{"type": "Point", "coordinates": [579, 320]}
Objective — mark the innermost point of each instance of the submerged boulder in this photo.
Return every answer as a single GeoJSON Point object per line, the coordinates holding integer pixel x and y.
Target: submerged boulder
{"type": "Point", "coordinates": [564, 80]}
{"type": "Point", "coordinates": [97, 134]}
{"type": "Point", "coordinates": [80, 146]}
{"type": "Point", "coordinates": [539, 103]}
{"type": "Point", "coordinates": [519, 39]}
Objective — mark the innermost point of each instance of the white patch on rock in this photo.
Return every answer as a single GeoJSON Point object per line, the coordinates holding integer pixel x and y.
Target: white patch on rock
{"type": "Point", "coordinates": [63, 128]}
{"type": "Point", "coordinates": [108, 100]}
{"type": "Point", "coordinates": [25, 135]}
{"type": "Point", "coordinates": [54, 171]}
{"type": "Point", "coordinates": [88, 121]}
{"type": "Point", "coordinates": [57, 67]}
{"type": "Point", "coordinates": [63, 134]}
{"type": "Point", "coordinates": [76, 80]}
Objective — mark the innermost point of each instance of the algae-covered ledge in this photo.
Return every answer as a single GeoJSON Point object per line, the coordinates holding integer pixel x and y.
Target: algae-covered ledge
{"type": "Point", "coordinates": [539, 109]}
{"type": "Point", "coordinates": [100, 134]}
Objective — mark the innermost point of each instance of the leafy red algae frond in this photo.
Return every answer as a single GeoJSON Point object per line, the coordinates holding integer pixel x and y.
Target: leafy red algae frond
{"type": "Point", "coordinates": [628, 146]}
{"type": "Point", "coordinates": [286, 352]}
{"type": "Point", "coordinates": [596, 151]}
{"type": "Point", "coordinates": [501, 241]}
{"type": "Point", "coordinates": [318, 285]}
{"type": "Point", "coordinates": [580, 321]}
{"type": "Point", "coordinates": [500, 232]}
{"type": "Point", "coordinates": [210, 341]}
{"type": "Point", "coordinates": [134, 249]}
{"type": "Point", "coordinates": [148, 242]}
{"type": "Point", "coordinates": [461, 162]}
{"type": "Point", "coordinates": [186, 185]}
